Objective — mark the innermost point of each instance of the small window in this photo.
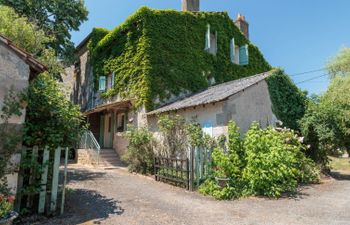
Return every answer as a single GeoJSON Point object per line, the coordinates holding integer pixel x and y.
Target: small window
{"type": "Point", "coordinates": [109, 124]}
{"type": "Point", "coordinates": [102, 83]}
{"type": "Point", "coordinates": [121, 122]}
{"type": "Point", "coordinates": [211, 44]}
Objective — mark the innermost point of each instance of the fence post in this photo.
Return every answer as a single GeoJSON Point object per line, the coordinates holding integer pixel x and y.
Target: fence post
{"type": "Point", "coordinates": [42, 195]}
{"type": "Point", "coordinates": [191, 168]}
{"type": "Point", "coordinates": [197, 165]}
{"type": "Point", "coordinates": [56, 170]}
{"type": "Point", "coordinates": [20, 181]}
{"type": "Point", "coordinates": [34, 159]}
{"type": "Point", "coordinates": [65, 180]}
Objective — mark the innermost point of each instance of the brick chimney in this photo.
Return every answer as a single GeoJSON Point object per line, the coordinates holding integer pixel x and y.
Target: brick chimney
{"type": "Point", "coordinates": [243, 25]}
{"type": "Point", "coordinates": [190, 5]}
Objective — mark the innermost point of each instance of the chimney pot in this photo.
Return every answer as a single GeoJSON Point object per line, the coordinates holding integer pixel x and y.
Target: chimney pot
{"type": "Point", "coordinates": [190, 5]}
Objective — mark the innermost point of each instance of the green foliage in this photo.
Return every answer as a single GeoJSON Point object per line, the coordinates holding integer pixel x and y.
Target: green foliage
{"type": "Point", "coordinates": [340, 64]}
{"type": "Point", "coordinates": [173, 135]}
{"type": "Point", "coordinates": [56, 18]}
{"type": "Point", "coordinates": [288, 101]}
{"type": "Point", "coordinates": [155, 49]}
{"type": "Point", "coordinates": [30, 37]}
{"type": "Point", "coordinates": [6, 204]}
{"type": "Point", "coordinates": [326, 124]}
{"type": "Point", "coordinates": [275, 162]}
{"type": "Point", "coordinates": [140, 154]}
{"type": "Point", "coordinates": [10, 136]}
{"type": "Point", "coordinates": [267, 162]}
{"type": "Point", "coordinates": [52, 119]}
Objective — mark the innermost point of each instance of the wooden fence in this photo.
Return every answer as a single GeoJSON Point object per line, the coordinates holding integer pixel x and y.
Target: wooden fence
{"type": "Point", "coordinates": [38, 183]}
{"type": "Point", "coordinates": [189, 172]}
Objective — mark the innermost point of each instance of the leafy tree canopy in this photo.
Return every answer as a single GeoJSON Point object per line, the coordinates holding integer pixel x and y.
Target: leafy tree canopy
{"type": "Point", "coordinates": [340, 64]}
{"type": "Point", "coordinates": [55, 17]}
{"type": "Point", "coordinates": [29, 37]}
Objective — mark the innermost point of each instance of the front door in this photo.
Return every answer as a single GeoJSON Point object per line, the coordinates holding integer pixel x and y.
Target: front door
{"type": "Point", "coordinates": [108, 142]}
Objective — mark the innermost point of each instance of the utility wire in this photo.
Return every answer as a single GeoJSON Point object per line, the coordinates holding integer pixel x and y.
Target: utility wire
{"type": "Point", "coordinates": [313, 78]}
{"type": "Point", "coordinates": [311, 71]}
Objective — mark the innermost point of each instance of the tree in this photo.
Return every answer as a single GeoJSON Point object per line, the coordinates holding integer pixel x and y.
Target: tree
{"type": "Point", "coordinates": [51, 120]}
{"type": "Point", "coordinates": [29, 37]}
{"type": "Point", "coordinates": [340, 64]}
{"type": "Point", "coordinates": [289, 102]}
{"type": "Point", "coordinates": [56, 18]}
{"type": "Point", "coordinates": [326, 124]}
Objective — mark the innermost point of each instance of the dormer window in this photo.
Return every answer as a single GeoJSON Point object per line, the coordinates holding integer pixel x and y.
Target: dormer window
{"type": "Point", "coordinates": [211, 43]}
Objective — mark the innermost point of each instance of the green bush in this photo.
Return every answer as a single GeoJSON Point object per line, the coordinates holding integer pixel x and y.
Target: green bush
{"type": "Point", "coordinates": [275, 162]}
{"type": "Point", "coordinates": [267, 162]}
{"type": "Point", "coordinates": [140, 154]}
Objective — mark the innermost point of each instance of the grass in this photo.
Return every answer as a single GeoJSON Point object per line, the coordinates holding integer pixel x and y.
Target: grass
{"type": "Point", "coordinates": [340, 163]}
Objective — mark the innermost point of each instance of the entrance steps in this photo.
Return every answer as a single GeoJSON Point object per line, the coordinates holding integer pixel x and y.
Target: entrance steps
{"type": "Point", "coordinates": [109, 159]}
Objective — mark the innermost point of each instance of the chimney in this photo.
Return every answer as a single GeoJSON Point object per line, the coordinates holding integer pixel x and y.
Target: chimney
{"type": "Point", "coordinates": [242, 25]}
{"type": "Point", "coordinates": [190, 5]}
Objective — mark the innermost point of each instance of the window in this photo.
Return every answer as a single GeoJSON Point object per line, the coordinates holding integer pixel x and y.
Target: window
{"type": "Point", "coordinates": [239, 55]}
{"type": "Point", "coordinates": [109, 124]}
{"type": "Point", "coordinates": [102, 83]}
{"type": "Point", "coordinates": [211, 41]}
{"type": "Point", "coordinates": [121, 122]}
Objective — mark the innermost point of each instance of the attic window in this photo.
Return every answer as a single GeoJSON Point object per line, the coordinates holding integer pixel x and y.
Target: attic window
{"type": "Point", "coordinates": [211, 41]}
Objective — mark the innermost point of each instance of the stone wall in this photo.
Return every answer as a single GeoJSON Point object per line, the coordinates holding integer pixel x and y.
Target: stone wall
{"type": "Point", "coordinates": [120, 144]}
{"type": "Point", "coordinates": [14, 74]}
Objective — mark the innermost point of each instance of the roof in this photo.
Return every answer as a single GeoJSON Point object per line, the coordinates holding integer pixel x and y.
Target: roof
{"type": "Point", "coordinates": [34, 64]}
{"type": "Point", "coordinates": [118, 104]}
{"type": "Point", "coordinates": [213, 94]}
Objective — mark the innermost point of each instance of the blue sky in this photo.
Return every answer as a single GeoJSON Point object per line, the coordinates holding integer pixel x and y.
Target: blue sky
{"type": "Point", "coordinates": [298, 35]}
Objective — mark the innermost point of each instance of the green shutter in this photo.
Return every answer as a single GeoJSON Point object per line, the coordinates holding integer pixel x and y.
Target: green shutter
{"type": "Point", "coordinates": [113, 78]}
{"type": "Point", "coordinates": [232, 50]}
{"type": "Point", "coordinates": [102, 83]}
{"type": "Point", "coordinates": [243, 55]}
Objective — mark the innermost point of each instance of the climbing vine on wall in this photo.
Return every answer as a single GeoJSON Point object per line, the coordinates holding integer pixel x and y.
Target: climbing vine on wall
{"type": "Point", "coordinates": [156, 53]}
{"type": "Point", "coordinates": [289, 102]}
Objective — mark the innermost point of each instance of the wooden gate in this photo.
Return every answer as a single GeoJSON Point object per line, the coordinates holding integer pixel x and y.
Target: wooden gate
{"type": "Point", "coordinates": [189, 172]}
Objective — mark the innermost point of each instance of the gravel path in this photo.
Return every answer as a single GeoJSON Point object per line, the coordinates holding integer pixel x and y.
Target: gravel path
{"type": "Point", "coordinates": [117, 197]}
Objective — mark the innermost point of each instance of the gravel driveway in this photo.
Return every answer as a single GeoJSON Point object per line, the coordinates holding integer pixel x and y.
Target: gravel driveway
{"type": "Point", "coordinates": [117, 197]}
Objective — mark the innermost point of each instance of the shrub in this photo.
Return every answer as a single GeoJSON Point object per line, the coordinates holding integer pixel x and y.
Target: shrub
{"type": "Point", "coordinates": [6, 204]}
{"type": "Point", "coordinates": [173, 132]}
{"type": "Point", "coordinates": [267, 162]}
{"type": "Point", "coordinates": [275, 162]}
{"type": "Point", "coordinates": [140, 154]}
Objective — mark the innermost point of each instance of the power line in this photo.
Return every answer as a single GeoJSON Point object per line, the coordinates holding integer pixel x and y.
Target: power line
{"type": "Point", "coordinates": [313, 78]}
{"type": "Point", "coordinates": [311, 71]}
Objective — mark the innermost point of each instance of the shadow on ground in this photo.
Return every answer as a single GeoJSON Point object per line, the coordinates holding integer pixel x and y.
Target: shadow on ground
{"type": "Point", "coordinates": [340, 175]}
{"type": "Point", "coordinates": [77, 175]}
{"type": "Point", "coordinates": [83, 206]}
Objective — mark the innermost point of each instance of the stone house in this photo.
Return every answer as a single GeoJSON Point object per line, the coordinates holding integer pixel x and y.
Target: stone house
{"type": "Point", "coordinates": [17, 68]}
{"type": "Point", "coordinates": [200, 65]}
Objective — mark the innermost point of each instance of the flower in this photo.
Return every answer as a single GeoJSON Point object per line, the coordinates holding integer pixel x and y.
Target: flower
{"type": "Point", "coordinates": [11, 199]}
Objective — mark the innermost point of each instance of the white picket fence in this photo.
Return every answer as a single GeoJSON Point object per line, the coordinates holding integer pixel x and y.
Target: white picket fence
{"type": "Point", "coordinates": [50, 160]}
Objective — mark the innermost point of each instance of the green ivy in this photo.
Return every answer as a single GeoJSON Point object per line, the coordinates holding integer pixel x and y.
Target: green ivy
{"type": "Point", "coordinates": [288, 101]}
{"type": "Point", "coordinates": [156, 53]}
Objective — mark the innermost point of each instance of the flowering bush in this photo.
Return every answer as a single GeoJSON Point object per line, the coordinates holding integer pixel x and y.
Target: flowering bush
{"type": "Point", "coordinates": [268, 162]}
{"type": "Point", "coordinates": [6, 204]}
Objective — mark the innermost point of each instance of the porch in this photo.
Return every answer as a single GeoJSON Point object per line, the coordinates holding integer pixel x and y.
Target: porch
{"type": "Point", "coordinates": [108, 122]}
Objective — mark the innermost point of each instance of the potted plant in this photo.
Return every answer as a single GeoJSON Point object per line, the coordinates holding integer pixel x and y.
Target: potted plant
{"type": "Point", "coordinates": [7, 215]}
{"type": "Point", "coordinates": [220, 177]}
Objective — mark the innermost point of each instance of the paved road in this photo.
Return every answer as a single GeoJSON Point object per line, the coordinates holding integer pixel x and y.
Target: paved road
{"type": "Point", "coordinates": [117, 197]}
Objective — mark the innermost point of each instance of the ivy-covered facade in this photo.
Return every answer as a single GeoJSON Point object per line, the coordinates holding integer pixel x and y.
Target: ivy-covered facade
{"type": "Point", "coordinates": [154, 58]}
